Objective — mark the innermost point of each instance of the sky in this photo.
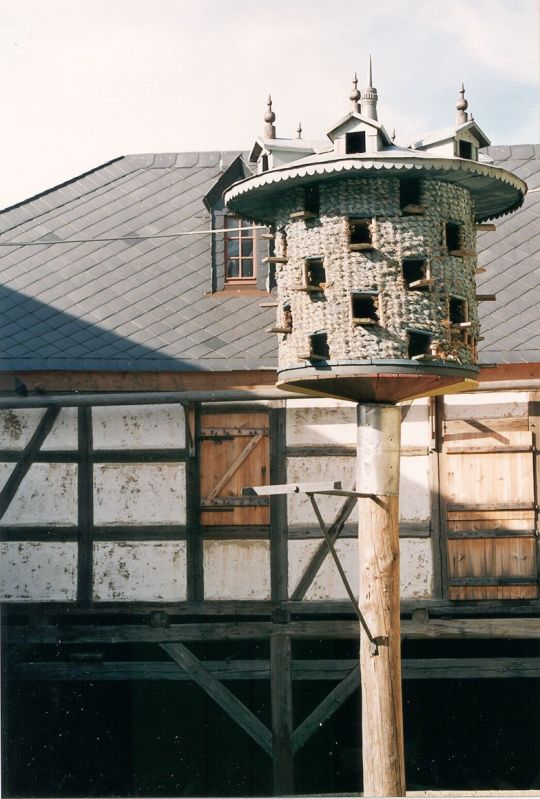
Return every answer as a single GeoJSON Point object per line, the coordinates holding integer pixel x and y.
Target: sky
{"type": "Point", "coordinates": [85, 81]}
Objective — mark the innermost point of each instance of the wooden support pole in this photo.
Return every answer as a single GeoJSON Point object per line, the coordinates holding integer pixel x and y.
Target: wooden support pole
{"type": "Point", "coordinates": [380, 663]}
{"type": "Point", "coordinates": [282, 733]}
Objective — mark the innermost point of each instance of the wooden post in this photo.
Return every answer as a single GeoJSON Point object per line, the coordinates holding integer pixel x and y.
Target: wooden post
{"type": "Point", "coordinates": [282, 740]}
{"type": "Point", "coordinates": [380, 658]}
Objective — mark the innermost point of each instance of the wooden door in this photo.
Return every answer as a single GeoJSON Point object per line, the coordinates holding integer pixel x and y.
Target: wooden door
{"type": "Point", "coordinates": [490, 510]}
{"type": "Point", "coordinates": [234, 454]}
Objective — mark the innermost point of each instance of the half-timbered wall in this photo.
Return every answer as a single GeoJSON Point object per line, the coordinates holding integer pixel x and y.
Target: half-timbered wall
{"type": "Point", "coordinates": [144, 503]}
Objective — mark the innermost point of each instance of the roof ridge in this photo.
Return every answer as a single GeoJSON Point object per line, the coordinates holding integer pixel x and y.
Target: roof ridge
{"type": "Point", "coordinates": [60, 185]}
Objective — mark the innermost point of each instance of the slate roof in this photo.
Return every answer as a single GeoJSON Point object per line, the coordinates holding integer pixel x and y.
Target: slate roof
{"type": "Point", "coordinates": [124, 304]}
{"type": "Point", "coordinates": [511, 255]}
{"type": "Point", "coordinates": [131, 305]}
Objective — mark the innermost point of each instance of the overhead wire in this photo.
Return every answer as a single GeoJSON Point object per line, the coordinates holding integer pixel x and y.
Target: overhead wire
{"type": "Point", "coordinates": [41, 242]}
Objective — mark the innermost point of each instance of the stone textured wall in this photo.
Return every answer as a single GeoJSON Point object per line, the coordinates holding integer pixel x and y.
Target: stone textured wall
{"type": "Point", "coordinates": [395, 236]}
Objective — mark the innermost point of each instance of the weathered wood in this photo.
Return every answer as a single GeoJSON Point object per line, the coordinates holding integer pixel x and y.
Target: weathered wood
{"type": "Point", "coordinates": [26, 458]}
{"type": "Point", "coordinates": [304, 671]}
{"type": "Point", "coordinates": [85, 507]}
{"type": "Point", "coordinates": [292, 488]}
{"type": "Point", "coordinates": [140, 456]}
{"type": "Point", "coordinates": [534, 423]}
{"type": "Point", "coordinates": [489, 506]}
{"type": "Point", "coordinates": [231, 469]}
{"type": "Point", "coordinates": [194, 541]}
{"type": "Point", "coordinates": [279, 546]}
{"type": "Point", "coordinates": [378, 458]}
{"type": "Point", "coordinates": [220, 694]}
{"type": "Point", "coordinates": [437, 526]}
{"type": "Point", "coordinates": [326, 708]}
{"type": "Point", "coordinates": [282, 712]}
{"type": "Point", "coordinates": [25, 533]}
{"type": "Point", "coordinates": [343, 450]}
{"type": "Point", "coordinates": [512, 628]}
{"type": "Point", "coordinates": [140, 532]}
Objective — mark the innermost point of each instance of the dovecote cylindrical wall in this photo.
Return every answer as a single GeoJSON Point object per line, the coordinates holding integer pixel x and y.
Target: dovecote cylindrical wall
{"type": "Point", "coordinates": [380, 268]}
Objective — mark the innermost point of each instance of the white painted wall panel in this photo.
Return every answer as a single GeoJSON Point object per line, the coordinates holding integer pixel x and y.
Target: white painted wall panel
{"type": "Point", "coordinates": [320, 426]}
{"type": "Point", "coordinates": [486, 405]}
{"type": "Point", "coordinates": [316, 470]}
{"type": "Point", "coordinates": [47, 495]}
{"type": "Point", "coordinates": [139, 493]}
{"type": "Point", "coordinates": [237, 569]}
{"type": "Point", "coordinates": [416, 428]}
{"type": "Point", "coordinates": [139, 427]}
{"type": "Point", "coordinates": [416, 568]}
{"type": "Point", "coordinates": [64, 432]}
{"type": "Point", "coordinates": [327, 583]}
{"type": "Point", "coordinates": [149, 571]}
{"type": "Point", "coordinates": [17, 427]}
{"type": "Point", "coordinates": [38, 571]}
{"type": "Point", "coordinates": [414, 494]}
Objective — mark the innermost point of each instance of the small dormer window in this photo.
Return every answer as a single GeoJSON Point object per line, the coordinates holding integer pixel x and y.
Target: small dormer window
{"type": "Point", "coordinates": [318, 347]}
{"type": "Point", "coordinates": [465, 149]}
{"type": "Point", "coordinates": [239, 251]}
{"type": "Point", "coordinates": [355, 142]}
{"type": "Point", "coordinates": [418, 344]}
{"type": "Point", "coordinates": [416, 273]}
{"type": "Point", "coordinates": [264, 163]}
{"type": "Point", "coordinates": [314, 273]}
{"type": "Point", "coordinates": [312, 202]}
{"type": "Point", "coordinates": [458, 311]}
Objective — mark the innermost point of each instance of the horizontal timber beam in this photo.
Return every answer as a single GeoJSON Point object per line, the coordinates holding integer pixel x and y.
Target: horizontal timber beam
{"type": "Point", "coordinates": [302, 670]}
{"type": "Point", "coordinates": [524, 628]}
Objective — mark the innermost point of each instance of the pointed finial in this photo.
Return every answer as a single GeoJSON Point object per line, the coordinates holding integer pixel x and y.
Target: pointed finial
{"type": "Point", "coordinates": [462, 106]}
{"type": "Point", "coordinates": [394, 135]}
{"type": "Point", "coordinates": [354, 96]}
{"type": "Point", "coordinates": [299, 131]}
{"type": "Point", "coordinates": [369, 96]}
{"type": "Point", "coordinates": [270, 118]}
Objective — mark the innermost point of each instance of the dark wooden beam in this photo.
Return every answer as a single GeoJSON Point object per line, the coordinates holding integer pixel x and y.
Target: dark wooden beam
{"type": "Point", "coordinates": [220, 694]}
{"type": "Point", "coordinates": [85, 512]}
{"type": "Point", "coordinates": [326, 708]}
{"type": "Point", "coordinates": [194, 541]}
{"type": "Point", "coordinates": [282, 714]}
{"type": "Point", "coordinates": [279, 545]}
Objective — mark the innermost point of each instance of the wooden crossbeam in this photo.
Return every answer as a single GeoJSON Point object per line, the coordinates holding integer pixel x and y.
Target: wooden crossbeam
{"type": "Point", "coordinates": [326, 708]}
{"type": "Point", "coordinates": [26, 458]}
{"type": "Point", "coordinates": [221, 695]}
{"type": "Point", "coordinates": [292, 488]}
{"type": "Point", "coordinates": [237, 462]}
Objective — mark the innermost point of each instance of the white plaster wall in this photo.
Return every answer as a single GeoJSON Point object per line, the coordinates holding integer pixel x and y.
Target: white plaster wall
{"type": "Point", "coordinates": [317, 470]}
{"type": "Point", "coordinates": [327, 583]}
{"type": "Point", "coordinates": [47, 495]}
{"type": "Point", "coordinates": [237, 569]}
{"type": "Point", "coordinates": [139, 427]}
{"type": "Point", "coordinates": [139, 493]}
{"type": "Point", "coordinates": [18, 426]}
{"type": "Point", "coordinates": [140, 572]}
{"type": "Point", "coordinates": [486, 405]}
{"type": "Point", "coordinates": [38, 571]}
{"type": "Point", "coordinates": [416, 428]}
{"type": "Point", "coordinates": [416, 568]}
{"type": "Point", "coordinates": [414, 494]}
{"type": "Point", "coordinates": [317, 426]}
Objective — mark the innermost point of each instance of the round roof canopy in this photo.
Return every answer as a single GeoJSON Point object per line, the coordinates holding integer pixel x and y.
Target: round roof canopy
{"type": "Point", "coordinates": [495, 191]}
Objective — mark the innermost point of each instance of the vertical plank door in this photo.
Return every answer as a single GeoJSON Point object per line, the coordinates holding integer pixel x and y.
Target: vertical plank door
{"type": "Point", "coordinates": [489, 494]}
{"type": "Point", "coordinates": [234, 454]}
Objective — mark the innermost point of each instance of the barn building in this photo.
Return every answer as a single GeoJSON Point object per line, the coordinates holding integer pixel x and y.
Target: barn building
{"type": "Point", "coordinates": [165, 634]}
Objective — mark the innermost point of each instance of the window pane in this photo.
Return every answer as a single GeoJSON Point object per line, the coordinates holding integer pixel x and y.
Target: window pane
{"type": "Point", "coordinates": [247, 267]}
{"type": "Point", "coordinates": [232, 248]}
{"type": "Point", "coordinates": [247, 247]}
{"type": "Point", "coordinates": [233, 269]}
{"type": "Point", "coordinates": [247, 230]}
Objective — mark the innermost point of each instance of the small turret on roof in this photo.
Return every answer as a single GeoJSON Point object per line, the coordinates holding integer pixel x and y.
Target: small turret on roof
{"type": "Point", "coordinates": [369, 97]}
{"type": "Point", "coordinates": [270, 118]}
{"type": "Point", "coordinates": [354, 96]}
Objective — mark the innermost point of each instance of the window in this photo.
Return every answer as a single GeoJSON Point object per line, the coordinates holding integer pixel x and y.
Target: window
{"type": "Point", "coordinates": [409, 196]}
{"type": "Point", "coordinates": [264, 163]}
{"type": "Point", "coordinates": [416, 273]}
{"type": "Point", "coordinates": [287, 318]}
{"type": "Point", "coordinates": [419, 341]}
{"type": "Point", "coordinates": [465, 149]}
{"type": "Point", "coordinates": [312, 200]}
{"type": "Point", "coordinates": [314, 273]}
{"type": "Point", "coordinates": [360, 234]}
{"type": "Point", "coordinates": [365, 308]}
{"type": "Point", "coordinates": [318, 347]}
{"type": "Point", "coordinates": [355, 142]}
{"type": "Point", "coordinates": [239, 250]}
{"type": "Point", "coordinates": [453, 237]}
{"type": "Point", "coordinates": [457, 310]}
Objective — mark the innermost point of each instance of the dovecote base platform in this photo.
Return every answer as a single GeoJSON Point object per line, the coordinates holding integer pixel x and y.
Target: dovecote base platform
{"type": "Point", "coordinates": [375, 381]}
